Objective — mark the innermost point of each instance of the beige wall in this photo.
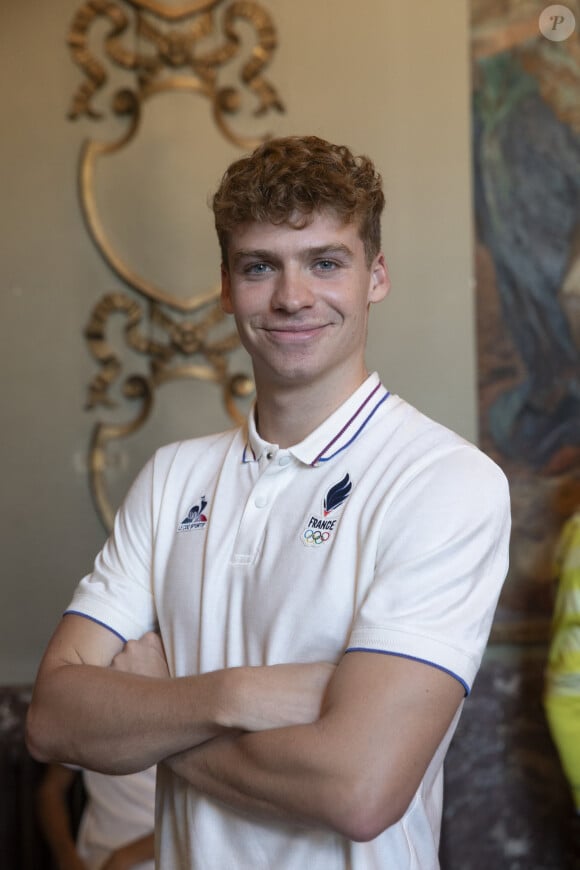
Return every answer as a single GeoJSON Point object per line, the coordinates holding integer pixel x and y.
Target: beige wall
{"type": "Point", "coordinates": [392, 81]}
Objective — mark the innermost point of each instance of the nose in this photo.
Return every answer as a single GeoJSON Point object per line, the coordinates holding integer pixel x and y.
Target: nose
{"type": "Point", "coordinates": [292, 291]}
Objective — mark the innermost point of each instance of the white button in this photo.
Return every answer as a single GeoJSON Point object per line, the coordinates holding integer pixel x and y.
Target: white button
{"type": "Point", "coordinates": [261, 501]}
{"type": "Point", "coordinates": [284, 460]}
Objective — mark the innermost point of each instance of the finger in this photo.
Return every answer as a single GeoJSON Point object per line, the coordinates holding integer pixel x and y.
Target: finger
{"type": "Point", "coordinates": [153, 641]}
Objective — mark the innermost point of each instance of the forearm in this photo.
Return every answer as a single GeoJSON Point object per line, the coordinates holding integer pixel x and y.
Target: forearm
{"type": "Point", "coordinates": [119, 722]}
{"type": "Point", "coordinates": [114, 708]}
{"type": "Point", "coordinates": [54, 818]}
{"type": "Point", "coordinates": [286, 770]}
{"type": "Point", "coordinates": [356, 769]}
{"type": "Point", "coordinates": [286, 774]}
{"type": "Point", "coordinates": [56, 829]}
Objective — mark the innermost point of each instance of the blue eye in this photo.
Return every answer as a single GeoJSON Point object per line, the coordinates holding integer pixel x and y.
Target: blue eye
{"type": "Point", "coordinates": [257, 268]}
{"type": "Point", "coordinates": [326, 265]}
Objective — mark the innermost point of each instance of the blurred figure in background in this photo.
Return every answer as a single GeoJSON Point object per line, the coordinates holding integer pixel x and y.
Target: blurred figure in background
{"type": "Point", "coordinates": [116, 828]}
{"type": "Point", "coordinates": [562, 691]}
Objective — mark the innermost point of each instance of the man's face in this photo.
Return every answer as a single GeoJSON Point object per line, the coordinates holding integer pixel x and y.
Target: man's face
{"type": "Point", "coordinates": [300, 298]}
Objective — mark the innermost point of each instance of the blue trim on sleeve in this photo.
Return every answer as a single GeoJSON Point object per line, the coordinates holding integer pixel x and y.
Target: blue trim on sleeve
{"type": "Point", "coordinates": [386, 652]}
{"type": "Point", "coordinates": [98, 621]}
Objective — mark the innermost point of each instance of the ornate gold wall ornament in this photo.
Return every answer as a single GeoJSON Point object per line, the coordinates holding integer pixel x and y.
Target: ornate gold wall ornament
{"type": "Point", "coordinates": [165, 47]}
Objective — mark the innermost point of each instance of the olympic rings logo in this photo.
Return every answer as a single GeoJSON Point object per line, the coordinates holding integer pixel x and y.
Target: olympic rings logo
{"type": "Point", "coordinates": [314, 537]}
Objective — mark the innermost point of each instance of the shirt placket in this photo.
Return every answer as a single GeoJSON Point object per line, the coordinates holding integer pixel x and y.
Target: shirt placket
{"type": "Point", "coordinates": [278, 469]}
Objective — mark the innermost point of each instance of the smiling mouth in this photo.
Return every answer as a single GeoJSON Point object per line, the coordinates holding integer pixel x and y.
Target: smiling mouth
{"type": "Point", "coordinates": [297, 332]}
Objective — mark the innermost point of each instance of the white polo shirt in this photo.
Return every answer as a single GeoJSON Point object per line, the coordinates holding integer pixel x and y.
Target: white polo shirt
{"type": "Point", "coordinates": [381, 531]}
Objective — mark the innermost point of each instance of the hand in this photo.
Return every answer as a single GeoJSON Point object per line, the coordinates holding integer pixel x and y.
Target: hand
{"type": "Point", "coordinates": [279, 695]}
{"type": "Point", "coordinates": [145, 656]}
{"type": "Point", "coordinates": [118, 861]}
{"type": "Point", "coordinates": [131, 854]}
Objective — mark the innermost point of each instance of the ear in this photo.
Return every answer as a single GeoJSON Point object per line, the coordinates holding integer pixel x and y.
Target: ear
{"type": "Point", "coordinates": [226, 295]}
{"type": "Point", "coordinates": [380, 283]}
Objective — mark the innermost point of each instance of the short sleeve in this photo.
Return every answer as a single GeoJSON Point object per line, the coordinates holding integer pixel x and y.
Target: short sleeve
{"type": "Point", "coordinates": [119, 591]}
{"type": "Point", "coordinates": [440, 567]}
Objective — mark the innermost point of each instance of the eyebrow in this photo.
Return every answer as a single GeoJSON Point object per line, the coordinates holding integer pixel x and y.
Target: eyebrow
{"type": "Point", "coordinates": [305, 253]}
{"type": "Point", "coordinates": [324, 250]}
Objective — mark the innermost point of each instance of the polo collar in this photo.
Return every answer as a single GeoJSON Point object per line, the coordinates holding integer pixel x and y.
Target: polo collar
{"type": "Point", "coordinates": [333, 436]}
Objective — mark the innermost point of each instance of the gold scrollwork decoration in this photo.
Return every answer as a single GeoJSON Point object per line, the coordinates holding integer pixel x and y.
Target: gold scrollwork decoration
{"type": "Point", "coordinates": [162, 48]}
{"type": "Point", "coordinates": [175, 12]}
{"type": "Point", "coordinates": [94, 70]}
{"type": "Point", "coordinates": [184, 338]}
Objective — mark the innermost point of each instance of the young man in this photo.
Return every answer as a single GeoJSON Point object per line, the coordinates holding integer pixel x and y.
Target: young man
{"type": "Point", "coordinates": [323, 580]}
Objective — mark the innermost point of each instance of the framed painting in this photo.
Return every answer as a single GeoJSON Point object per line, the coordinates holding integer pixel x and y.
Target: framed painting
{"type": "Point", "coordinates": [526, 181]}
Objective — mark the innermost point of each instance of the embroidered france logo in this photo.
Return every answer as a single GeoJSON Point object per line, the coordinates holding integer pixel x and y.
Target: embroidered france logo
{"type": "Point", "coordinates": [195, 519]}
{"type": "Point", "coordinates": [320, 529]}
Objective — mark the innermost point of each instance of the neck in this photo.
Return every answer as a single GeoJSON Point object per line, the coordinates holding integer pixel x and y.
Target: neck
{"type": "Point", "coordinates": [287, 415]}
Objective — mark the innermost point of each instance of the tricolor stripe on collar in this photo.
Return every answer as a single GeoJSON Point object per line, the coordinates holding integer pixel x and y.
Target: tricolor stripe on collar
{"type": "Point", "coordinates": [353, 427]}
{"type": "Point", "coordinates": [248, 449]}
{"type": "Point", "coordinates": [321, 445]}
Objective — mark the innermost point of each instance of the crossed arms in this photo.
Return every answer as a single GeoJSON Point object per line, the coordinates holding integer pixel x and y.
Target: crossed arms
{"type": "Point", "coordinates": [341, 748]}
